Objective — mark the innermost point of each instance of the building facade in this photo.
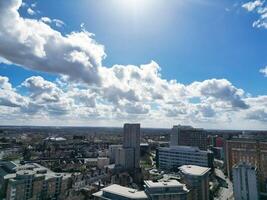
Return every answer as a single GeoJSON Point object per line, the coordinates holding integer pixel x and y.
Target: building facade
{"type": "Point", "coordinates": [245, 182]}
{"type": "Point", "coordinates": [168, 158]}
{"type": "Point", "coordinates": [166, 190]}
{"type": "Point", "coordinates": [131, 139]}
{"type": "Point", "coordinates": [112, 152]}
{"type": "Point", "coordinates": [124, 157]}
{"type": "Point", "coordinates": [250, 151]}
{"type": "Point", "coordinates": [33, 181]}
{"type": "Point", "coordinates": [188, 136]}
{"type": "Point", "coordinates": [196, 179]}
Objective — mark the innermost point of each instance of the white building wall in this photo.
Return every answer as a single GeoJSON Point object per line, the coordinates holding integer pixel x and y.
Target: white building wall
{"type": "Point", "coordinates": [181, 155]}
{"type": "Point", "coordinates": [245, 182]}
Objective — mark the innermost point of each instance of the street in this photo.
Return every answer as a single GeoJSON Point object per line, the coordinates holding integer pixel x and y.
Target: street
{"type": "Point", "coordinates": [224, 193]}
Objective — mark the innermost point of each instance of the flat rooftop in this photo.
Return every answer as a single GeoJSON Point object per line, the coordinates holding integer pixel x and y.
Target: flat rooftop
{"type": "Point", "coordinates": [194, 170]}
{"type": "Point", "coordinates": [122, 191]}
{"type": "Point", "coordinates": [160, 184]}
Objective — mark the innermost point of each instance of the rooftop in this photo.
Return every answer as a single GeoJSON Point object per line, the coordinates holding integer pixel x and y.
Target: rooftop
{"type": "Point", "coordinates": [31, 169]}
{"type": "Point", "coordinates": [194, 170]}
{"type": "Point", "coordinates": [55, 138]}
{"type": "Point", "coordinates": [123, 191]}
{"type": "Point", "coordinates": [160, 184]}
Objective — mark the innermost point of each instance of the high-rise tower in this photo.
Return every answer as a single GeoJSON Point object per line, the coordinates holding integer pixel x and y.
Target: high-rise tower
{"type": "Point", "coordinates": [131, 140]}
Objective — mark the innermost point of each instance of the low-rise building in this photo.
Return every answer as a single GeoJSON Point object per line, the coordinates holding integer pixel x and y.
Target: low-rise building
{"type": "Point", "coordinates": [117, 192]}
{"type": "Point", "coordinates": [32, 181]}
{"type": "Point", "coordinates": [169, 158]}
{"type": "Point", "coordinates": [166, 190]}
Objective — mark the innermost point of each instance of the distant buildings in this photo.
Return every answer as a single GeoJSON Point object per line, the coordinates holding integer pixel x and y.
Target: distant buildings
{"type": "Point", "coordinates": [102, 162]}
{"type": "Point", "coordinates": [250, 151]}
{"type": "Point", "coordinates": [168, 158]}
{"type": "Point", "coordinates": [166, 190]}
{"type": "Point", "coordinates": [31, 181]}
{"type": "Point", "coordinates": [196, 179]}
{"type": "Point", "coordinates": [188, 136]}
{"type": "Point", "coordinates": [55, 139]}
{"type": "Point", "coordinates": [245, 182]}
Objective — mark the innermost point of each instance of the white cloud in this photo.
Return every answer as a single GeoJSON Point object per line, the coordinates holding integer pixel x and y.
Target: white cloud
{"type": "Point", "coordinates": [5, 61]}
{"type": "Point", "coordinates": [251, 5]}
{"type": "Point", "coordinates": [260, 8]}
{"type": "Point", "coordinates": [33, 5]}
{"type": "Point", "coordinates": [39, 47]}
{"type": "Point", "coordinates": [8, 96]}
{"type": "Point", "coordinates": [46, 20]}
{"type": "Point", "coordinates": [220, 90]}
{"type": "Point", "coordinates": [58, 22]}
{"type": "Point", "coordinates": [264, 71]}
{"type": "Point", "coordinates": [77, 102]}
{"type": "Point", "coordinates": [31, 11]}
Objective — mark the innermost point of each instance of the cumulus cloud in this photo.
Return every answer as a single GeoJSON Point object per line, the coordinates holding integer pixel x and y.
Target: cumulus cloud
{"type": "Point", "coordinates": [42, 90]}
{"type": "Point", "coordinates": [8, 96]}
{"type": "Point", "coordinates": [258, 115]}
{"type": "Point", "coordinates": [39, 47]}
{"type": "Point", "coordinates": [221, 90]}
{"type": "Point", "coordinates": [219, 101]}
{"type": "Point", "coordinates": [264, 71]}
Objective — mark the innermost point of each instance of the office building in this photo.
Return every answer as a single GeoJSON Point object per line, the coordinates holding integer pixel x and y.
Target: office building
{"type": "Point", "coordinates": [131, 139]}
{"type": "Point", "coordinates": [117, 192]}
{"type": "Point", "coordinates": [196, 179]}
{"type": "Point", "coordinates": [188, 136]}
{"type": "Point", "coordinates": [245, 182]}
{"type": "Point", "coordinates": [168, 158]}
{"type": "Point", "coordinates": [124, 158]}
{"type": "Point", "coordinates": [250, 151]}
{"type": "Point", "coordinates": [31, 181]}
{"type": "Point", "coordinates": [112, 152]}
{"type": "Point", "coordinates": [166, 190]}
{"type": "Point", "coordinates": [102, 162]}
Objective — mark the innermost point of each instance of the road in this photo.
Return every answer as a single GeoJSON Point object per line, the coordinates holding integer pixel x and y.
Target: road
{"type": "Point", "coordinates": [224, 193]}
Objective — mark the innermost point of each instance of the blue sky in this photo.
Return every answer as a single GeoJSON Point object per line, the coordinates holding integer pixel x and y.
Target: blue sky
{"type": "Point", "coordinates": [191, 41]}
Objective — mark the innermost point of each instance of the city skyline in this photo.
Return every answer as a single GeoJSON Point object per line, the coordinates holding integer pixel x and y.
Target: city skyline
{"type": "Point", "coordinates": [89, 63]}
